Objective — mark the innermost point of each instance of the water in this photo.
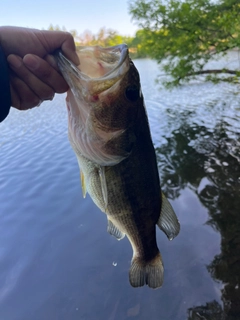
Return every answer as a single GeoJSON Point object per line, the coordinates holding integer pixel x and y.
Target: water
{"type": "Point", "coordinates": [56, 259]}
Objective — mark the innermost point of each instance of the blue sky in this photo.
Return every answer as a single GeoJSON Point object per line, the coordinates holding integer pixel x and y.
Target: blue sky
{"type": "Point", "coordinates": [73, 14]}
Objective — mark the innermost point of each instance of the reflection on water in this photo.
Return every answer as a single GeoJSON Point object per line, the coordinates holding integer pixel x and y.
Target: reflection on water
{"type": "Point", "coordinates": [207, 162]}
{"type": "Point", "coordinates": [57, 260]}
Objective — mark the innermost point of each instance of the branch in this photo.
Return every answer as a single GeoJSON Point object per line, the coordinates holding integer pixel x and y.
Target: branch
{"type": "Point", "coordinates": [213, 51]}
{"type": "Point", "coordinates": [212, 71]}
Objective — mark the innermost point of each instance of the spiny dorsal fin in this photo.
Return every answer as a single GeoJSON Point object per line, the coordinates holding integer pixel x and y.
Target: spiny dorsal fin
{"type": "Point", "coordinates": [114, 231]}
{"type": "Point", "coordinates": [83, 183]}
{"type": "Point", "coordinates": [168, 222]}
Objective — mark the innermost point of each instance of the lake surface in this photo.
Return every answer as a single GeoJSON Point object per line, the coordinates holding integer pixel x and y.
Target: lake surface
{"type": "Point", "coordinates": [57, 261]}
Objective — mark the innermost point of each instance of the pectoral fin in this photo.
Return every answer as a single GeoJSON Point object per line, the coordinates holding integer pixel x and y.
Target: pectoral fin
{"type": "Point", "coordinates": [82, 178]}
{"type": "Point", "coordinates": [83, 183]}
{"type": "Point", "coordinates": [114, 231]}
{"type": "Point", "coordinates": [168, 222]}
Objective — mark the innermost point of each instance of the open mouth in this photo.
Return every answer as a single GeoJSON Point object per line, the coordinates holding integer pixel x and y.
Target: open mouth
{"type": "Point", "coordinates": [99, 67]}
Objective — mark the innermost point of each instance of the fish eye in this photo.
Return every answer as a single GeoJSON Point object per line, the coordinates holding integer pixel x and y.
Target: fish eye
{"type": "Point", "coordinates": [132, 93]}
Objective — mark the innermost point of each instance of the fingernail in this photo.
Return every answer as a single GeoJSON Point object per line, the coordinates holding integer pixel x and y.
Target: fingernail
{"type": "Point", "coordinates": [50, 98]}
{"type": "Point", "coordinates": [39, 103]}
{"type": "Point", "coordinates": [31, 62]}
{"type": "Point", "coordinates": [14, 61]}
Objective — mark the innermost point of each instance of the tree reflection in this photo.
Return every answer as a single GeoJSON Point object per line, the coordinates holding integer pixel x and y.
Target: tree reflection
{"type": "Point", "coordinates": [211, 311]}
{"type": "Point", "coordinates": [195, 152]}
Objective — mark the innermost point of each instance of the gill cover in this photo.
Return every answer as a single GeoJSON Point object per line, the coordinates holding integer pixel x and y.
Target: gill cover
{"type": "Point", "coordinates": [99, 70]}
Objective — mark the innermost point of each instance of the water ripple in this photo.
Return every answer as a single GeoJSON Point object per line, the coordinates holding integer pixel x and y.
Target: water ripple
{"type": "Point", "coordinates": [55, 254]}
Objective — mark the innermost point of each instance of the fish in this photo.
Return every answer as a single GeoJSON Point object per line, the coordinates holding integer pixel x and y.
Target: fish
{"type": "Point", "coordinates": [109, 131]}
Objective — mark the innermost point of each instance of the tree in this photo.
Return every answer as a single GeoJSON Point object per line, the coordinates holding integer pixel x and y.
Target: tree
{"type": "Point", "coordinates": [184, 161]}
{"type": "Point", "coordinates": [185, 35]}
{"type": "Point", "coordinates": [138, 43]}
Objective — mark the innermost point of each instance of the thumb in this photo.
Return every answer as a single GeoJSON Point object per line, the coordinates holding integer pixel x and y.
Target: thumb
{"type": "Point", "coordinates": [59, 39]}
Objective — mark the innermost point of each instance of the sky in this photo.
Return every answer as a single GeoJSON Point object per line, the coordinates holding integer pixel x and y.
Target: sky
{"type": "Point", "coordinates": [73, 14]}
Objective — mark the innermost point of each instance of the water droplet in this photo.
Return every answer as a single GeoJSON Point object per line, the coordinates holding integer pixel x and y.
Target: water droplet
{"type": "Point", "coordinates": [225, 164]}
{"type": "Point", "coordinates": [114, 264]}
{"type": "Point", "coordinates": [210, 170]}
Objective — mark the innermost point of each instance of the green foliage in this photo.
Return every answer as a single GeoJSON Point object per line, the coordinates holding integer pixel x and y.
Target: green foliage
{"type": "Point", "coordinates": [139, 44]}
{"type": "Point", "coordinates": [104, 37]}
{"type": "Point", "coordinates": [188, 33]}
{"type": "Point", "coordinates": [108, 38]}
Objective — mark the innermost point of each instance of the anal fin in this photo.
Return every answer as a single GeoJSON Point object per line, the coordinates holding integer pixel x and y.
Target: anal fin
{"type": "Point", "coordinates": [168, 221]}
{"type": "Point", "coordinates": [114, 231]}
{"type": "Point", "coordinates": [103, 182]}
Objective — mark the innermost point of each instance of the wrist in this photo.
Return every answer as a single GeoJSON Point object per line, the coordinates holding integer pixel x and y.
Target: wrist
{"type": "Point", "coordinates": [5, 93]}
{"type": "Point", "coordinates": [2, 37]}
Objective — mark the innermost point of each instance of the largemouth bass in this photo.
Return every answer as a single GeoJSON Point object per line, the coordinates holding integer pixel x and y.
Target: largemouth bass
{"type": "Point", "coordinates": [109, 132]}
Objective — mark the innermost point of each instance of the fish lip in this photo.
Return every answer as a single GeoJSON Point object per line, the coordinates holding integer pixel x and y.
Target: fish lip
{"type": "Point", "coordinates": [122, 48]}
{"type": "Point", "coordinates": [124, 55]}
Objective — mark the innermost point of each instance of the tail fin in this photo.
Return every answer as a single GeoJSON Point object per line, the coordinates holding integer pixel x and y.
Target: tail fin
{"type": "Point", "coordinates": [150, 272]}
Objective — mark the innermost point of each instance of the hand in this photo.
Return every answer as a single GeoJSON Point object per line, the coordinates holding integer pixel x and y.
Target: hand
{"type": "Point", "coordinates": [34, 75]}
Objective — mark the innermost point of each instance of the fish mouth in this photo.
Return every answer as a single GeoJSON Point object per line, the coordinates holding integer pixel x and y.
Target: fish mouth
{"type": "Point", "coordinates": [100, 68]}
